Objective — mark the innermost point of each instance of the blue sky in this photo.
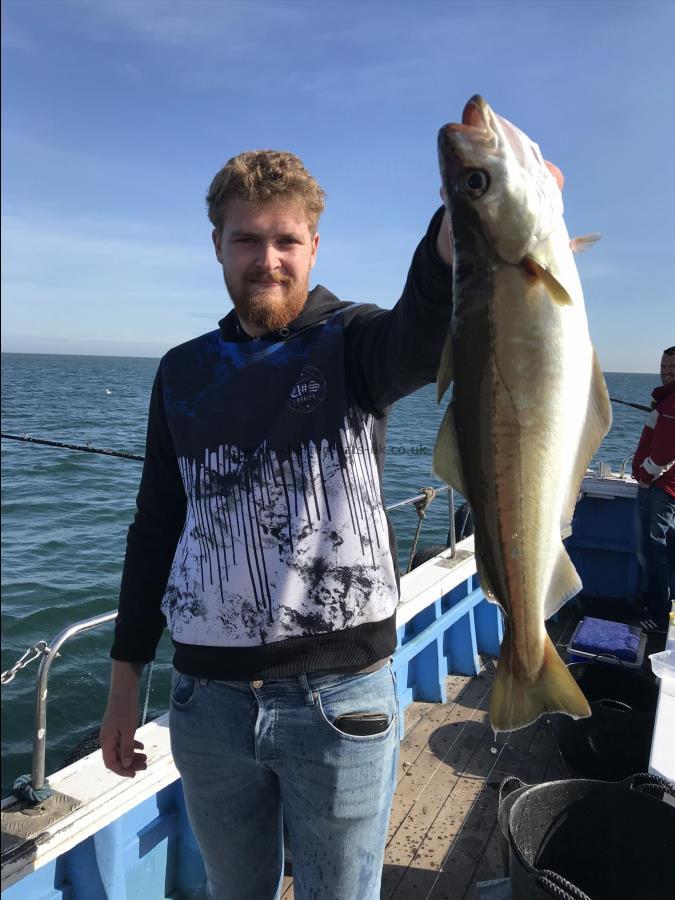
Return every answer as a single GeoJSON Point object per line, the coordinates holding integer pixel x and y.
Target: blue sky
{"type": "Point", "coordinates": [117, 113]}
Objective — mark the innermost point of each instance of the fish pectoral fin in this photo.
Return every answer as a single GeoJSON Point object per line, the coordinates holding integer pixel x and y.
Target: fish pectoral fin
{"type": "Point", "coordinates": [584, 241]}
{"type": "Point", "coordinates": [445, 369]}
{"type": "Point", "coordinates": [517, 701]}
{"type": "Point", "coordinates": [556, 291]}
{"type": "Point", "coordinates": [598, 423]}
{"type": "Point", "coordinates": [446, 461]}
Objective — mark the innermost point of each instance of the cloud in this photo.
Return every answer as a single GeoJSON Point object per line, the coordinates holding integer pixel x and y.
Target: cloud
{"type": "Point", "coordinates": [185, 23]}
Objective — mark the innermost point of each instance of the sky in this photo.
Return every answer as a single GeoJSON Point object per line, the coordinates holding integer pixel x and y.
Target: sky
{"type": "Point", "coordinates": [116, 114]}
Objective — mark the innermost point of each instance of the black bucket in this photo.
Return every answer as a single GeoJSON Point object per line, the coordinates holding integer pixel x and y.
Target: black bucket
{"type": "Point", "coordinates": [593, 840]}
{"type": "Point", "coordinates": [509, 790]}
{"type": "Point", "coordinates": [615, 740]}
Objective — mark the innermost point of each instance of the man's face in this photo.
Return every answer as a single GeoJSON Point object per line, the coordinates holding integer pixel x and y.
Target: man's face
{"type": "Point", "coordinates": [266, 253]}
{"type": "Point", "coordinates": [667, 369]}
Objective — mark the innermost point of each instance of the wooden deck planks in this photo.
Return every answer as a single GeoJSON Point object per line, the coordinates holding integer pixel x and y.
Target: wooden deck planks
{"type": "Point", "coordinates": [443, 834]}
{"type": "Point", "coordinates": [462, 845]}
{"type": "Point", "coordinates": [450, 796]}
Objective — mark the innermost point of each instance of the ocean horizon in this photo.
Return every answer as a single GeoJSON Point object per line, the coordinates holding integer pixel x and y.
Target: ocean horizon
{"type": "Point", "coordinates": [157, 358]}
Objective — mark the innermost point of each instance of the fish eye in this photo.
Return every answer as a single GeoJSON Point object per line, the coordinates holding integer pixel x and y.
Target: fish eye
{"type": "Point", "coordinates": [475, 182]}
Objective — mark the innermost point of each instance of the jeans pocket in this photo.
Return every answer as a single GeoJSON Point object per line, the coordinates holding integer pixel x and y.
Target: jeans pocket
{"type": "Point", "coordinates": [184, 689]}
{"type": "Point", "coordinates": [333, 703]}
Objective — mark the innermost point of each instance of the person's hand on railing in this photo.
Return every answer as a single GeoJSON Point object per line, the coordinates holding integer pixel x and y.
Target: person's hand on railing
{"type": "Point", "coordinates": [120, 721]}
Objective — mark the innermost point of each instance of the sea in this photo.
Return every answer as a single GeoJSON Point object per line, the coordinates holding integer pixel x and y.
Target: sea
{"type": "Point", "coordinates": [65, 516]}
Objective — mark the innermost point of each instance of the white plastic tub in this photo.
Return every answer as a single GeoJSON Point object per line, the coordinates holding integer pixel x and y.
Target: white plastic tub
{"type": "Point", "coordinates": [662, 757]}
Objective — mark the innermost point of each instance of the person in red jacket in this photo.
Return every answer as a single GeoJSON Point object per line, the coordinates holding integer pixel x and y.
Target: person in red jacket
{"type": "Point", "coordinates": [654, 471]}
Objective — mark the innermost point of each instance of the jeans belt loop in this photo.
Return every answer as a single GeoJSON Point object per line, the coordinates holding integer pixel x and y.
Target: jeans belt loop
{"type": "Point", "coordinates": [309, 693]}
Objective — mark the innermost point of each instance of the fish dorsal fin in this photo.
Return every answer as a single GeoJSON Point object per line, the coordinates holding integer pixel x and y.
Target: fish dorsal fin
{"type": "Point", "coordinates": [445, 369]}
{"type": "Point", "coordinates": [584, 242]}
{"type": "Point", "coordinates": [598, 423]}
{"type": "Point", "coordinates": [447, 463]}
{"type": "Point", "coordinates": [551, 283]}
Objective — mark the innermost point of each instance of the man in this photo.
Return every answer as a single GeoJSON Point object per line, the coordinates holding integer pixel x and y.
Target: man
{"type": "Point", "coordinates": [654, 470]}
{"type": "Point", "coordinates": [261, 538]}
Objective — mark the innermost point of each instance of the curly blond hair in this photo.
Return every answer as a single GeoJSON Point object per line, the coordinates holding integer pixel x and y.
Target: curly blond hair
{"type": "Point", "coordinates": [259, 176]}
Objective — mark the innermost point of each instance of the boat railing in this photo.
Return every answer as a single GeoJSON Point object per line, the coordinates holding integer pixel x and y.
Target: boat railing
{"type": "Point", "coordinates": [622, 471]}
{"type": "Point", "coordinates": [40, 733]}
{"type": "Point", "coordinates": [50, 651]}
{"type": "Point", "coordinates": [421, 501]}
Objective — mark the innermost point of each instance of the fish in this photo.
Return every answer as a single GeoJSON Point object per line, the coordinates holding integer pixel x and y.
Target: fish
{"type": "Point", "coordinates": [529, 406]}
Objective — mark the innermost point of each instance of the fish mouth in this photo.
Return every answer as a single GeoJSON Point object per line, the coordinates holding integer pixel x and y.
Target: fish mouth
{"type": "Point", "coordinates": [476, 128]}
{"type": "Point", "coordinates": [476, 114]}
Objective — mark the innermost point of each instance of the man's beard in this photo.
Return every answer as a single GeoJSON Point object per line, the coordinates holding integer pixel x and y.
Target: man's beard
{"type": "Point", "coordinates": [256, 307]}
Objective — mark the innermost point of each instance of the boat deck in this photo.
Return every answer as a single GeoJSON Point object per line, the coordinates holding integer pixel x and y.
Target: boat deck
{"type": "Point", "coordinates": [443, 833]}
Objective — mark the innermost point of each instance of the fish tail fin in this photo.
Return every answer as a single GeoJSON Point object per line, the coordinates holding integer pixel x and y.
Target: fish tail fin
{"type": "Point", "coordinates": [517, 701]}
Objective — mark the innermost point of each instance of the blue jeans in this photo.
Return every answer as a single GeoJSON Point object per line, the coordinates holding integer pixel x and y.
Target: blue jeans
{"type": "Point", "coordinates": [656, 549]}
{"type": "Point", "coordinates": [253, 755]}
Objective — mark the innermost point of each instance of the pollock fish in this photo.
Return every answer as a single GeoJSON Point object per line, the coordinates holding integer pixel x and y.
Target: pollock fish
{"type": "Point", "coordinates": [529, 403]}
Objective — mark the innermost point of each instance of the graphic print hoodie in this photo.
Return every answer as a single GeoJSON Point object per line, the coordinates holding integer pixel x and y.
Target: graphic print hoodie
{"type": "Point", "coordinates": [261, 537]}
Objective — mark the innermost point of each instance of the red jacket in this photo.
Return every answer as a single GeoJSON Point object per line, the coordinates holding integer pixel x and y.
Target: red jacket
{"type": "Point", "coordinates": [654, 460]}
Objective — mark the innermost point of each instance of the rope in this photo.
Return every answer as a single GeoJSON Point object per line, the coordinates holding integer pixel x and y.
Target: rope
{"type": "Point", "coordinates": [23, 790]}
{"type": "Point", "coordinates": [85, 448]}
{"type": "Point", "coordinates": [646, 783]}
{"type": "Point", "coordinates": [560, 887]}
{"type": "Point", "coordinates": [421, 507]}
{"type": "Point", "coordinates": [146, 701]}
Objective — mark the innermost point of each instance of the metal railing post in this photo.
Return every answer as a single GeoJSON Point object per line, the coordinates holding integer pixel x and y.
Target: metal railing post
{"type": "Point", "coordinates": [623, 465]}
{"type": "Point", "coordinates": [40, 735]}
{"type": "Point", "coordinates": [451, 512]}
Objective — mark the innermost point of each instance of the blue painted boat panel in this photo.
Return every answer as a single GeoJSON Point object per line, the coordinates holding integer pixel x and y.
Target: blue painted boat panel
{"type": "Point", "coordinates": [602, 547]}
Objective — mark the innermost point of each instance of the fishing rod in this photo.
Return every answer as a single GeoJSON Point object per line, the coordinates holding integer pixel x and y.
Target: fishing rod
{"type": "Point", "coordinates": [634, 405]}
{"type": "Point", "coordinates": [86, 448]}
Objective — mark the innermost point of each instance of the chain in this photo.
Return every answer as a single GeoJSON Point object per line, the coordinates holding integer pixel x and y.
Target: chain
{"type": "Point", "coordinates": [39, 649]}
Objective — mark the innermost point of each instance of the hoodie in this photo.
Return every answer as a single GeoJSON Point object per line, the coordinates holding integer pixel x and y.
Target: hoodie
{"type": "Point", "coordinates": [261, 536]}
